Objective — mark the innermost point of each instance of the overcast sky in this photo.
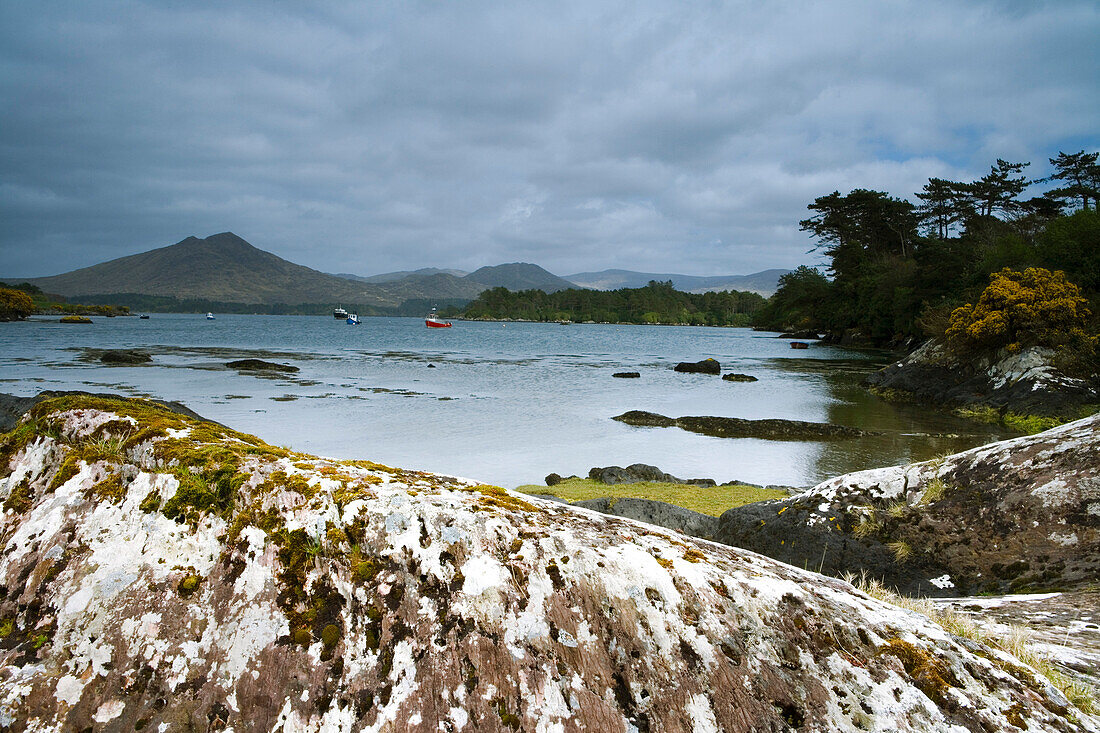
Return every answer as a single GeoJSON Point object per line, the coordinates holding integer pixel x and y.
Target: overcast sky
{"type": "Point", "coordinates": [367, 137]}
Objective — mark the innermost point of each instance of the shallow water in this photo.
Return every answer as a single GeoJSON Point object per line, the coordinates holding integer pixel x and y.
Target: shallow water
{"type": "Point", "coordinates": [502, 403]}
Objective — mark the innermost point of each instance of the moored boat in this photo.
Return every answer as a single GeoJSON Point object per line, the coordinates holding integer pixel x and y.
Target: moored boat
{"type": "Point", "coordinates": [209, 316]}
{"type": "Point", "coordinates": [799, 345]}
{"type": "Point", "coordinates": [353, 319]}
{"type": "Point", "coordinates": [432, 320]}
{"type": "Point", "coordinates": [339, 313]}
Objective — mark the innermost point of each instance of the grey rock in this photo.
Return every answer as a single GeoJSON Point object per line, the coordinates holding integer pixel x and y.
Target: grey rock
{"type": "Point", "coordinates": [706, 366]}
{"type": "Point", "coordinates": [125, 356]}
{"type": "Point", "coordinates": [259, 365]}
{"type": "Point", "coordinates": [627, 375]}
{"type": "Point", "coordinates": [656, 512]}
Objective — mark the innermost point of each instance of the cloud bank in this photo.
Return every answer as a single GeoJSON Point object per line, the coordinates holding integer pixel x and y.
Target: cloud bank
{"type": "Point", "coordinates": [368, 137]}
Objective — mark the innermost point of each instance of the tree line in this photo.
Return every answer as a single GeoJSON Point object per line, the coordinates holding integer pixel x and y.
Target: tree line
{"type": "Point", "coordinates": [897, 270]}
{"type": "Point", "coordinates": [656, 303]}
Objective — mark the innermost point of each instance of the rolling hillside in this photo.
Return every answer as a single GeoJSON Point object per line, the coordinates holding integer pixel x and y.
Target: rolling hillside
{"type": "Point", "coordinates": [763, 283]}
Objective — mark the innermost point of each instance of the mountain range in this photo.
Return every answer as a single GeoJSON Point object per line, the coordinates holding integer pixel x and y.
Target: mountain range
{"type": "Point", "coordinates": [225, 268]}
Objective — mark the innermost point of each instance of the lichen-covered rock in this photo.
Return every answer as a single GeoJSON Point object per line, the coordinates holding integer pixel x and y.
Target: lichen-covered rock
{"type": "Point", "coordinates": [1024, 383]}
{"type": "Point", "coordinates": [166, 574]}
{"type": "Point", "coordinates": [1020, 514]}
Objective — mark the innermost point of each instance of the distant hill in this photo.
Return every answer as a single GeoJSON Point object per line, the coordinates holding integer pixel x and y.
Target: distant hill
{"type": "Point", "coordinates": [389, 277]}
{"type": "Point", "coordinates": [519, 276]}
{"type": "Point", "coordinates": [764, 283]}
{"type": "Point", "coordinates": [222, 267]}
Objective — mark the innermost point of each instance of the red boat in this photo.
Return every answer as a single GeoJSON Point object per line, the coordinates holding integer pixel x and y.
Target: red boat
{"type": "Point", "coordinates": [434, 321]}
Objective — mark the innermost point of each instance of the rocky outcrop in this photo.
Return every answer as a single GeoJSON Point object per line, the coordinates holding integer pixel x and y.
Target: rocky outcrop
{"type": "Point", "coordinates": [638, 472]}
{"type": "Point", "coordinates": [259, 365]}
{"type": "Point", "coordinates": [627, 375]}
{"type": "Point", "coordinates": [125, 356]}
{"type": "Point", "coordinates": [1018, 515]}
{"type": "Point", "coordinates": [163, 573]}
{"type": "Point", "coordinates": [1023, 383]}
{"type": "Point", "coordinates": [670, 516]}
{"type": "Point", "coordinates": [706, 366]}
{"type": "Point", "coordinates": [735, 427]}
{"type": "Point", "coordinates": [735, 377]}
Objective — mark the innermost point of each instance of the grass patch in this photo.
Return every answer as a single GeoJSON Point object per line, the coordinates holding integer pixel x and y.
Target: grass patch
{"type": "Point", "coordinates": [712, 500]}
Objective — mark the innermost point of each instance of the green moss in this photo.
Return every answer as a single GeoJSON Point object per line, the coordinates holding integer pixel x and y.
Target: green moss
{"type": "Point", "coordinates": [211, 491]}
{"type": "Point", "coordinates": [302, 637]}
{"type": "Point", "coordinates": [151, 502]}
{"type": "Point", "coordinates": [931, 676]}
{"type": "Point", "coordinates": [330, 635]}
{"type": "Point", "coordinates": [1031, 424]}
{"type": "Point", "coordinates": [494, 496]}
{"type": "Point", "coordinates": [934, 490]}
{"type": "Point", "coordinates": [896, 396]}
{"type": "Point", "coordinates": [109, 489]}
{"type": "Point", "coordinates": [7, 626]}
{"type": "Point", "coordinates": [189, 584]}
{"type": "Point", "coordinates": [506, 718]}
{"type": "Point", "coordinates": [40, 641]}
{"type": "Point", "coordinates": [19, 498]}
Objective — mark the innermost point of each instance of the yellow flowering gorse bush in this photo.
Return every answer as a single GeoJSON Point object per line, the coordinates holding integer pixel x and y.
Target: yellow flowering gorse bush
{"type": "Point", "coordinates": [1035, 307]}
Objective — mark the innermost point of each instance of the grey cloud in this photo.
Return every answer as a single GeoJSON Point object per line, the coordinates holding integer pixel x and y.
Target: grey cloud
{"type": "Point", "coordinates": [382, 136]}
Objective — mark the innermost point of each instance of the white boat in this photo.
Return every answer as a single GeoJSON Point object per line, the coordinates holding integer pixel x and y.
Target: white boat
{"type": "Point", "coordinates": [339, 313]}
{"type": "Point", "coordinates": [353, 319]}
{"type": "Point", "coordinates": [209, 316]}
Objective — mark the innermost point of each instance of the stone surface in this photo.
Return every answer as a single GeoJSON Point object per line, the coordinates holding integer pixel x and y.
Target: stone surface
{"type": "Point", "coordinates": [638, 472]}
{"type": "Point", "coordinates": [125, 356]}
{"type": "Point", "coordinates": [1017, 515]}
{"type": "Point", "coordinates": [627, 375]}
{"type": "Point", "coordinates": [706, 366]}
{"type": "Point", "coordinates": [1024, 383]}
{"type": "Point", "coordinates": [659, 513]}
{"type": "Point", "coordinates": [735, 427]}
{"type": "Point", "coordinates": [166, 574]}
{"type": "Point", "coordinates": [259, 365]}
{"type": "Point", "coordinates": [735, 377]}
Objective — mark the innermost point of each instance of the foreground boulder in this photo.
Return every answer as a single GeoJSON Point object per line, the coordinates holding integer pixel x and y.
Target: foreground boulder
{"type": "Point", "coordinates": [735, 427]}
{"type": "Point", "coordinates": [1018, 515]}
{"type": "Point", "coordinates": [1026, 383]}
{"type": "Point", "coordinates": [164, 573]}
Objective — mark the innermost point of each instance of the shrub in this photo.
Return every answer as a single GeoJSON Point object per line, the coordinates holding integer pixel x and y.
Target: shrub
{"type": "Point", "coordinates": [1035, 307]}
{"type": "Point", "coordinates": [15, 305]}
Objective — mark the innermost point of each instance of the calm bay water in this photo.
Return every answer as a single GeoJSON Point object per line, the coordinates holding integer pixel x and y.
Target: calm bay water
{"type": "Point", "coordinates": [502, 403]}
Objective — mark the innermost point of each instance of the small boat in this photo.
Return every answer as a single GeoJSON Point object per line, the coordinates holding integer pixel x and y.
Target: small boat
{"type": "Point", "coordinates": [143, 317]}
{"type": "Point", "coordinates": [353, 319]}
{"type": "Point", "coordinates": [432, 320]}
{"type": "Point", "coordinates": [799, 345]}
{"type": "Point", "coordinates": [339, 313]}
{"type": "Point", "coordinates": [209, 316]}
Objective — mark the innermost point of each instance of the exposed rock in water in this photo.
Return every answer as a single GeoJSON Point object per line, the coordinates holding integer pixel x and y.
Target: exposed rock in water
{"type": "Point", "coordinates": [163, 573]}
{"type": "Point", "coordinates": [259, 365]}
{"type": "Point", "coordinates": [125, 356]}
{"type": "Point", "coordinates": [1024, 383]}
{"type": "Point", "coordinates": [638, 472]}
{"type": "Point", "coordinates": [627, 375]}
{"type": "Point", "coordinates": [641, 418]}
{"type": "Point", "coordinates": [735, 377]}
{"type": "Point", "coordinates": [735, 427]}
{"type": "Point", "coordinates": [706, 366]}
{"type": "Point", "coordinates": [1018, 515]}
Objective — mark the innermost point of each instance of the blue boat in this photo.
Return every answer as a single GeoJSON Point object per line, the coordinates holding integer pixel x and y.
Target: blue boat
{"type": "Point", "coordinates": [353, 319]}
